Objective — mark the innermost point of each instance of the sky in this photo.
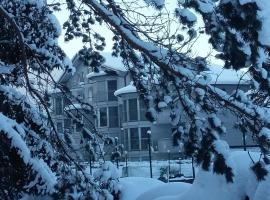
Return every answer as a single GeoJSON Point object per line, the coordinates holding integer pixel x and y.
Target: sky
{"type": "Point", "coordinates": [201, 48]}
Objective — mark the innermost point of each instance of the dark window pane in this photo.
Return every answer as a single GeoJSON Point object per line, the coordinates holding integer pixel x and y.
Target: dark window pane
{"type": "Point", "coordinates": [113, 117]}
{"type": "Point", "coordinates": [101, 91]}
{"type": "Point", "coordinates": [67, 123]}
{"type": "Point", "coordinates": [78, 127]}
{"type": "Point", "coordinates": [144, 138]}
{"type": "Point", "coordinates": [90, 94]}
{"type": "Point", "coordinates": [59, 127]}
{"type": "Point", "coordinates": [112, 87]}
{"type": "Point", "coordinates": [134, 139]}
{"type": "Point", "coordinates": [103, 116]}
{"type": "Point", "coordinates": [143, 110]}
{"type": "Point", "coordinates": [125, 111]}
{"type": "Point", "coordinates": [66, 101]}
{"type": "Point", "coordinates": [126, 146]}
{"type": "Point", "coordinates": [58, 106]}
{"type": "Point", "coordinates": [80, 94]}
{"type": "Point", "coordinates": [133, 111]}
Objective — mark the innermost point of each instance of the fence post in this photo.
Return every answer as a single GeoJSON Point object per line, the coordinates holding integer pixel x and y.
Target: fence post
{"type": "Point", "coordinates": [150, 153]}
{"type": "Point", "coordinates": [193, 170]}
{"type": "Point", "coordinates": [169, 169]}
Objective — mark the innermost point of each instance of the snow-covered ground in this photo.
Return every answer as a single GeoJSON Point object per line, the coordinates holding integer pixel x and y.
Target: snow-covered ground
{"type": "Point", "coordinates": [207, 186]}
{"type": "Point", "coordinates": [138, 188]}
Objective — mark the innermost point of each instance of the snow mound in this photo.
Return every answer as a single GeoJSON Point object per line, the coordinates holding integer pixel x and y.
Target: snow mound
{"type": "Point", "coordinates": [212, 186]}
{"type": "Point", "coordinates": [132, 187]}
{"type": "Point", "coordinates": [164, 190]}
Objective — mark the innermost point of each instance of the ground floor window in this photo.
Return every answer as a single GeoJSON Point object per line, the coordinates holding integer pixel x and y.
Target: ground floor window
{"type": "Point", "coordinates": [113, 117]}
{"type": "Point", "coordinates": [59, 127]}
{"type": "Point", "coordinates": [144, 138]}
{"type": "Point", "coordinates": [126, 140]}
{"type": "Point", "coordinates": [136, 139]}
{"type": "Point", "coordinates": [103, 117]}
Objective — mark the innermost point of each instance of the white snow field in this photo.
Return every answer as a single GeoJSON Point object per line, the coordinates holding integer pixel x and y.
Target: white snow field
{"type": "Point", "coordinates": [207, 186]}
{"type": "Point", "coordinates": [138, 188]}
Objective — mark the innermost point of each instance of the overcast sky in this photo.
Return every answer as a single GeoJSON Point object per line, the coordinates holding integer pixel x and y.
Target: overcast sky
{"type": "Point", "coordinates": [201, 47]}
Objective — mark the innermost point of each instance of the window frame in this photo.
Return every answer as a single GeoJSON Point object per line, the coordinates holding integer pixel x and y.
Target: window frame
{"type": "Point", "coordinates": [114, 98]}
{"type": "Point", "coordinates": [99, 117]}
{"type": "Point", "coordinates": [101, 88]}
{"type": "Point", "coordinates": [90, 91]}
{"type": "Point", "coordinates": [145, 138]}
{"type": "Point", "coordinates": [129, 113]}
{"type": "Point", "coordinates": [125, 111]}
{"type": "Point", "coordinates": [131, 140]}
{"type": "Point", "coordinates": [142, 115]}
{"type": "Point", "coordinates": [55, 105]}
{"type": "Point", "coordinates": [110, 117]}
{"type": "Point", "coordinates": [57, 127]}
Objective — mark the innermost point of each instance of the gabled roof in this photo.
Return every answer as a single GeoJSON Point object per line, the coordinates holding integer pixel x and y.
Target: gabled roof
{"type": "Point", "coordinates": [106, 70]}
{"type": "Point", "coordinates": [112, 65]}
{"type": "Point", "coordinates": [65, 75]}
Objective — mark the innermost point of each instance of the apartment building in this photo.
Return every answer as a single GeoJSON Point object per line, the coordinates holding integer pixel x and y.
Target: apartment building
{"type": "Point", "coordinates": [121, 113]}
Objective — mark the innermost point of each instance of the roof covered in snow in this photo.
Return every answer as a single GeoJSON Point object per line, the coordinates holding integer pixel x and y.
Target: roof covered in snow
{"type": "Point", "coordinates": [96, 74]}
{"type": "Point", "coordinates": [111, 64]}
{"type": "Point", "coordinates": [76, 106]}
{"type": "Point", "coordinates": [219, 75]}
{"type": "Point", "coordinates": [54, 91]}
{"type": "Point", "coordinates": [73, 107]}
{"type": "Point", "coordinates": [127, 89]}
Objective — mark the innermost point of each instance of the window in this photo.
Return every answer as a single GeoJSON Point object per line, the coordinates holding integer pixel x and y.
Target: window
{"type": "Point", "coordinates": [78, 122]}
{"type": "Point", "coordinates": [133, 111]}
{"type": "Point", "coordinates": [112, 87]}
{"type": "Point", "coordinates": [101, 91]}
{"type": "Point", "coordinates": [125, 111]}
{"type": "Point", "coordinates": [143, 110]}
{"type": "Point", "coordinates": [103, 117]}
{"type": "Point", "coordinates": [58, 106]}
{"type": "Point", "coordinates": [144, 138]}
{"type": "Point", "coordinates": [80, 94]}
{"type": "Point", "coordinates": [67, 123]}
{"type": "Point", "coordinates": [82, 77]}
{"type": "Point", "coordinates": [78, 127]}
{"type": "Point", "coordinates": [113, 117]}
{"type": "Point", "coordinates": [59, 127]}
{"type": "Point", "coordinates": [126, 146]}
{"type": "Point", "coordinates": [90, 94]}
{"type": "Point", "coordinates": [134, 139]}
{"type": "Point", "coordinates": [66, 101]}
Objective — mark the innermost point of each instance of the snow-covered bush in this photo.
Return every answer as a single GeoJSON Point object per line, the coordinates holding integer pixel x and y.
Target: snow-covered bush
{"type": "Point", "coordinates": [35, 160]}
{"type": "Point", "coordinates": [107, 176]}
{"type": "Point", "coordinates": [213, 186]}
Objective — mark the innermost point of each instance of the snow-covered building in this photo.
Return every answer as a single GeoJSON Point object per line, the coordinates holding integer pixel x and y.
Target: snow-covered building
{"type": "Point", "coordinates": [120, 113]}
